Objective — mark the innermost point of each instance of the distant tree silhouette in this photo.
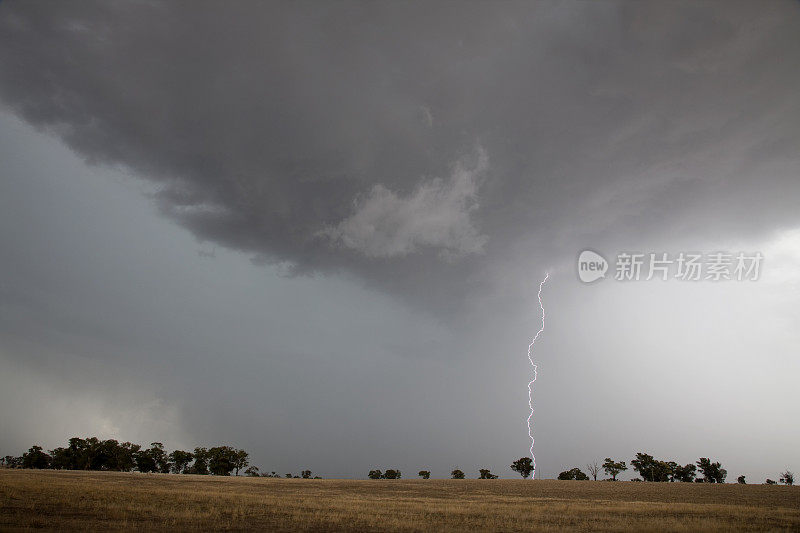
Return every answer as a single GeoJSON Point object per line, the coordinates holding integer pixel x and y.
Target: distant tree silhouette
{"type": "Point", "coordinates": [740, 480]}
{"type": "Point", "coordinates": [573, 474]}
{"type": "Point", "coordinates": [392, 474]}
{"type": "Point", "coordinates": [486, 474]}
{"type": "Point", "coordinates": [200, 465]}
{"type": "Point", "coordinates": [375, 474]}
{"type": "Point", "coordinates": [305, 474]}
{"type": "Point", "coordinates": [787, 478]}
{"type": "Point", "coordinates": [12, 462]}
{"type": "Point", "coordinates": [159, 457]}
{"type": "Point", "coordinates": [652, 469]}
{"type": "Point", "coordinates": [457, 474]}
{"type": "Point", "coordinates": [613, 468]}
{"type": "Point", "coordinates": [424, 474]}
{"type": "Point", "coordinates": [180, 461]}
{"type": "Point", "coordinates": [92, 453]}
{"type": "Point", "coordinates": [36, 458]}
{"type": "Point", "coordinates": [593, 469]}
{"type": "Point", "coordinates": [712, 472]}
{"type": "Point", "coordinates": [222, 460]}
{"type": "Point", "coordinates": [770, 481]}
{"type": "Point", "coordinates": [523, 466]}
{"type": "Point", "coordinates": [240, 460]}
{"type": "Point", "coordinates": [252, 471]}
{"type": "Point", "coordinates": [684, 473]}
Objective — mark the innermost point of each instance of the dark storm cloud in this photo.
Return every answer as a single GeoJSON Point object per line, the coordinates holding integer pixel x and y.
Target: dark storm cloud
{"type": "Point", "coordinates": [316, 135]}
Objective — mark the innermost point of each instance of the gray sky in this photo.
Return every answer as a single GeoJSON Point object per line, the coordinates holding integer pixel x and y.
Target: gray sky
{"type": "Point", "coordinates": [316, 231]}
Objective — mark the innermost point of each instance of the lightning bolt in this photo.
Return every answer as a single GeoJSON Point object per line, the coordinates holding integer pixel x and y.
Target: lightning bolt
{"type": "Point", "coordinates": [530, 383]}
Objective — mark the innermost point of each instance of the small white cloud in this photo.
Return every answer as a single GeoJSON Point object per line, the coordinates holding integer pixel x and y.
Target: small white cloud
{"type": "Point", "coordinates": [437, 214]}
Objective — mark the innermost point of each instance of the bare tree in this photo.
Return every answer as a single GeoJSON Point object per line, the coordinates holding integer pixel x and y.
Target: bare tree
{"type": "Point", "coordinates": [593, 469]}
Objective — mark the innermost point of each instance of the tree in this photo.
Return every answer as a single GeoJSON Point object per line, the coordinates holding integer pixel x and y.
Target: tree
{"type": "Point", "coordinates": [424, 474]}
{"type": "Point", "coordinates": [305, 474]}
{"type": "Point", "coordinates": [457, 474]}
{"type": "Point", "coordinates": [652, 469]}
{"type": "Point", "coordinates": [288, 476]}
{"type": "Point", "coordinates": [12, 462]}
{"type": "Point", "coordinates": [123, 456]}
{"type": "Point", "coordinates": [375, 474]}
{"type": "Point", "coordinates": [523, 466]}
{"type": "Point", "coordinates": [222, 460]}
{"type": "Point", "coordinates": [240, 460]}
{"type": "Point", "coordinates": [712, 472]}
{"type": "Point", "coordinates": [770, 481]}
{"type": "Point", "coordinates": [36, 458]}
{"type": "Point", "coordinates": [145, 462]}
{"type": "Point", "coordinates": [180, 461]}
{"type": "Point", "coordinates": [486, 474]}
{"type": "Point", "coordinates": [684, 473]}
{"type": "Point", "coordinates": [593, 469]}
{"type": "Point", "coordinates": [740, 480]}
{"type": "Point", "coordinates": [200, 465]}
{"type": "Point", "coordinates": [160, 457]}
{"type": "Point", "coordinates": [392, 474]}
{"type": "Point", "coordinates": [613, 468]}
{"type": "Point", "coordinates": [573, 474]}
{"type": "Point", "coordinates": [787, 478]}
{"type": "Point", "coordinates": [252, 472]}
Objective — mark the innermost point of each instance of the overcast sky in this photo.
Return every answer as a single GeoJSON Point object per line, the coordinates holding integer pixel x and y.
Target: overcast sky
{"type": "Point", "coordinates": [316, 230]}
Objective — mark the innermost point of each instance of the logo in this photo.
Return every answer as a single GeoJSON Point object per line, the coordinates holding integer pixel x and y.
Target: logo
{"type": "Point", "coordinates": [591, 266]}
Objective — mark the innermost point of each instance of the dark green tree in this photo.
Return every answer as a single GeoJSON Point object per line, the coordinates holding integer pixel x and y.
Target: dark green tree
{"type": "Point", "coordinates": [252, 472]}
{"type": "Point", "coordinates": [457, 474]}
{"type": "Point", "coordinates": [145, 462]}
{"type": "Point", "coordinates": [36, 458]}
{"type": "Point", "coordinates": [684, 473]}
{"type": "Point", "coordinates": [613, 468]}
{"type": "Point", "coordinates": [180, 461]}
{"type": "Point", "coordinates": [392, 474]}
{"type": "Point", "coordinates": [523, 466]}
{"type": "Point", "coordinates": [240, 460]}
{"type": "Point", "coordinates": [424, 474]}
{"type": "Point", "coordinates": [787, 478]}
{"type": "Point", "coordinates": [740, 480]}
{"type": "Point", "coordinates": [222, 460]}
{"type": "Point", "coordinates": [200, 465]}
{"type": "Point", "coordinates": [653, 469]}
{"type": "Point", "coordinates": [573, 474]}
{"type": "Point", "coordinates": [712, 472]}
{"type": "Point", "coordinates": [375, 474]}
{"type": "Point", "coordinates": [305, 474]}
{"type": "Point", "coordinates": [486, 474]}
{"type": "Point", "coordinates": [160, 457]}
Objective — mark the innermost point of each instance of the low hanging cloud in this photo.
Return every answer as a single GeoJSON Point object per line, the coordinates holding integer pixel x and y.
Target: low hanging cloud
{"type": "Point", "coordinates": [436, 214]}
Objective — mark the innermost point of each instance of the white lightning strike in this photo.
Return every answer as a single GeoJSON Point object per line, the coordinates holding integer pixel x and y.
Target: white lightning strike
{"type": "Point", "coordinates": [530, 383]}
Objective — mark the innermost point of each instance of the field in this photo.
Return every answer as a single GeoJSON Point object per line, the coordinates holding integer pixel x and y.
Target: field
{"type": "Point", "coordinates": [109, 500]}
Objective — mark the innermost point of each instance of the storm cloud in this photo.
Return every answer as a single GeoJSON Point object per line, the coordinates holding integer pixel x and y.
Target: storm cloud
{"type": "Point", "coordinates": [439, 156]}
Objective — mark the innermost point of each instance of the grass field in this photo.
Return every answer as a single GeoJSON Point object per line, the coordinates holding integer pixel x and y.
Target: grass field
{"type": "Point", "coordinates": [108, 500]}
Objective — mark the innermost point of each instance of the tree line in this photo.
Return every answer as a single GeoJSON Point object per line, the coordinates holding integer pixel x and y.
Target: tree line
{"type": "Point", "coordinates": [92, 453]}
{"type": "Point", "coordinates": [649, 468]}
{"type": "Point", "coordinates": [704, 470]}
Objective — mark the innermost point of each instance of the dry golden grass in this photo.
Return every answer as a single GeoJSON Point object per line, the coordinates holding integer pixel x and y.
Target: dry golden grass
{"type": "Point", "coordinates": [109, 500]}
